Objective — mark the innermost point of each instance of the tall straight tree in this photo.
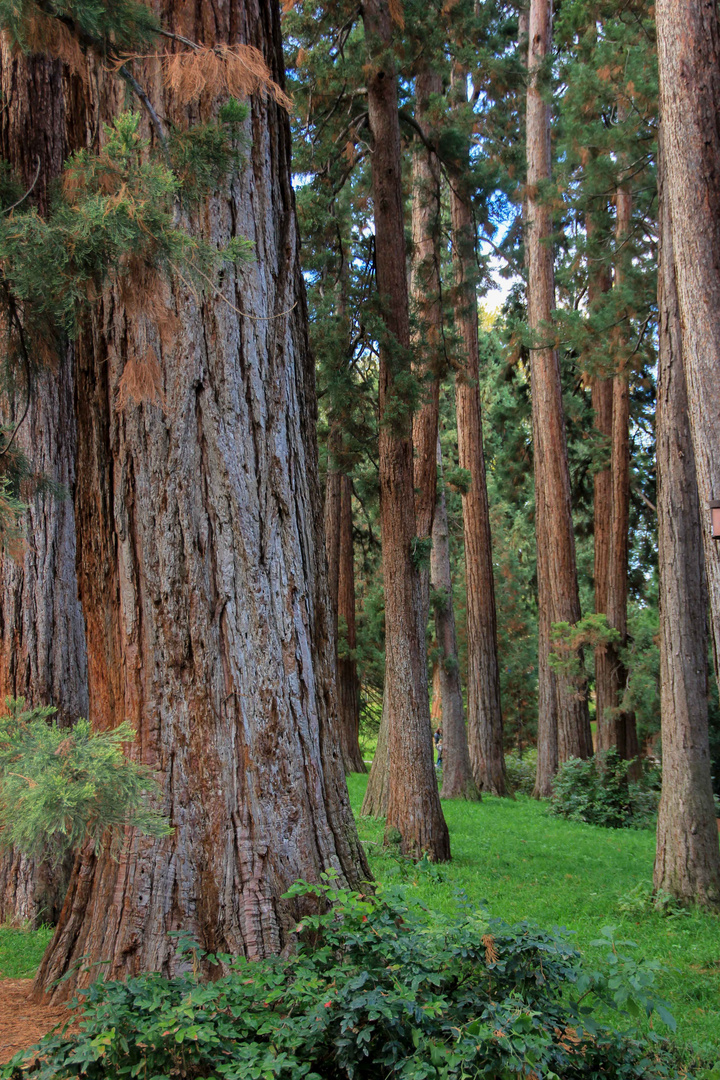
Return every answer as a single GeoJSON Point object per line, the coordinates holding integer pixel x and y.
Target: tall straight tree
{"type": "Point", "coordinates": [484, 717]}
{"type": "Point", "coordinates": [562, 708]}
{"type": "Point", "coordinates": [42, 635]}
{"type": "Point", "coordinates": [688, 39]}
{"type": "Point", "coordinates": [457, 777]}
{"type": "Point", "coordinates": [200, 550]}
{"type": "Point", "coordinates": [687, 863]}
{"type": "Point", "coordinates": [616, 727]}
{"type": "Point", "coordinates": [413, 803]}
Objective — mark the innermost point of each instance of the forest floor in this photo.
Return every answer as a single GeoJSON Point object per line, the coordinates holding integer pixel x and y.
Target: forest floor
{"type": "Point", "coordinates": [523, 863]}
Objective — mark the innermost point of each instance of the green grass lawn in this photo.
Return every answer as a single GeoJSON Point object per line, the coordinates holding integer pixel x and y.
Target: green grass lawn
{"type": "Point", "coordinates": [21, 951]}
{"type": "Point", "coordinates": [526, 864]}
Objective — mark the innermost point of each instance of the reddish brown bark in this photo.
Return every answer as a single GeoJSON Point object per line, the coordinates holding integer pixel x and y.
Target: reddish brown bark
{"type": "Point", "coordinates": [42, 635]}
{"type": "Point", "coordinates": [414, 809]}
{"type": "Point", "coordinates": [484, 717]}
{"type": "Point", "coordinates": [348, 685]}
{"type": "Point", "coordinates": [203, 583]}
{"type": "Point", "coordinates": [426, 299]}
{"type": "Point", "coordinates": [558, 596]}
{"type": "Point", "coordinates": [457, 776]}
{"type": "Point", "coordinates": [687, 862]}
{"type": "Point", "coordinates": [689, 69]}
{"type": "Point", "coordinates": [616, 727]}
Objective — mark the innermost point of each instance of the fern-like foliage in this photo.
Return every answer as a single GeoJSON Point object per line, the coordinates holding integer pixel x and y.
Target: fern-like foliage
{"type": "Point", "coordinates": [61, 788]}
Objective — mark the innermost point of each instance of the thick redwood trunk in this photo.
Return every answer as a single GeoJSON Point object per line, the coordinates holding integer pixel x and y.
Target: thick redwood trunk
{"type": "Point", "coordinates": [687, 862]}
{"type": "Point", "coordinates": [42, 634]}
{"type": "Point", "coordinates": [414, 809]}
{"type": "Point", "coordinates": [203, 584]}
{"type": "Point", "coordinates": [348, 685]}
{"type": "Point", "coordinates": [457, 777]}
{"type": "Point", "coordinates": [689, 69]}
{"type": "Point", "coordinates": [558, 596]}
{"type": "Point", "coordinates": [484, 720]}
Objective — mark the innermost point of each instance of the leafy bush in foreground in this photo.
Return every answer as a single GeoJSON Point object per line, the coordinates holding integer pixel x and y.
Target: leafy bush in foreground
{"type": "Point", "coordinates": [377, 988]}
{"type": "Point", "coordinates": [597, 791]}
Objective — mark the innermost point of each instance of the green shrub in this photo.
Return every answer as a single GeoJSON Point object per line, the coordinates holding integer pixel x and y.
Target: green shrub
{"type": "Point", "coordinates": [377, 988]}
{"type": "Point", "coordinates": [598, 792]}
{"type": "Point", "coordinates": [61, 787]}
{"type": "Point", "coordinates": [520, 771]}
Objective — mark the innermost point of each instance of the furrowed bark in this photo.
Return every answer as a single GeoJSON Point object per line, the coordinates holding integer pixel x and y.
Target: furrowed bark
{"type": "Point", "coordinates": [689, 70]}
{"type": "Point", "coordinates": [414, 810]}
{"type": "Point", "coordinates": [484, 718]}
{"type": "Point", "coordinates": [558, 596]}
{"type": "Point", "coordinates": [202, 579]}
{"type": "Point", "coordinates": [687, 862]}
{"type": "Point", "coordinates": [457, 777]}
{"type": "Point", "coordinates": [375, 800]}
{"type": "Point", "coordinates": [42, 634]}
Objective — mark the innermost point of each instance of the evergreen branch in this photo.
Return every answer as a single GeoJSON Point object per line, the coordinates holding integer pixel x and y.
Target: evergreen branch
{"type": "Point", "coordinates": [28, 192]}
{"type": "Point", "coordinates": [15, 318]}
{"type": "Point", "coordinates": [147, 105]}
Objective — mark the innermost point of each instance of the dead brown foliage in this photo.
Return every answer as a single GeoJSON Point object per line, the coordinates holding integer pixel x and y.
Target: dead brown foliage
{"type": "Point", "coordinates": [396, 13]}
{"type": "Point", "coordinates": [237, 70]}
{"type": "Point", "coordinates": [141, 381]}
{"type": "Point", "coordinates": [46, 35]}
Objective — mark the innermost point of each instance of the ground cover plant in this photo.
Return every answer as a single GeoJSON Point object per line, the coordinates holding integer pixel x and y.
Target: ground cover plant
{"type": "Point", "coordinates": [528, 864]}
{"type": "Point", "coordinates": [598, 791]}
{"type": "Point", "coordinates": [378, 985]}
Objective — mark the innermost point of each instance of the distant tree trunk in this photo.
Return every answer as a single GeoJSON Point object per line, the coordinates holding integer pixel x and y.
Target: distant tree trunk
{"type": "Point", "coordinates": [484, 722]}
{"type": "Point", "coordinates": [414, 809]}
{"type": "Point", "coordinates": [689, 69]}
{"type": "Point", "coordinates": [425, 295]}
{"type": "Point", "coordinates": [687, 863]}
{"type": "Point", "coordinates": [558, 596]}
{"type": "Point", "coordinates": [599, 283]}
{"type": "Point", "coordinates": [333, 496]}
{"type": "Point", "coordinates": [458, 782]}
{"type": "Point", "coordinates": [42, 634]}
{"type": "Point", "coordinates": [202, 580]}
{"type": "Point", "coordinates": [615, 727]}
{"type": "Point", "coordinates": [375, 801]}
{"type": "Point", "coordinates": [348, 685]}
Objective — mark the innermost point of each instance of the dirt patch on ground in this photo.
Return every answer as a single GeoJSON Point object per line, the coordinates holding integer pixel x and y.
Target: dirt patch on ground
{"type": "Point", "coordinates": [22, 1023]}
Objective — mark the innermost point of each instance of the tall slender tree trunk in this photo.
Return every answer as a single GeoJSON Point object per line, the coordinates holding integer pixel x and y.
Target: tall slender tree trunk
{"type": "Point", "coordinates": [426, 299]}
{"type": "Point", "coordinates": [458, 782]}
{"type": "Point", "coordinates": [689, 69]}
{"type": "Point", "coordinates": [203, 584]}
{"type": "Point", "coordinates": [42, 634]}
{"type": "Point", "coordinates": [375, 800]}
{"type": "Point", "coordinates": [348, 685]}
{"type": "Point", "coordinates": [558, 596]}
{"type": "Point", "coordinates": [600, 283]}
{"type": "Point", "coordinates": [414, 809]}
{"type": "Point", "coordinates": [484, 722]}
{"type": "Point", "coordinates": [687, 862]}
{"type": "Point", "coordinates": [341, 582]}
{"type": "Point", "coordinates": [615, 727]}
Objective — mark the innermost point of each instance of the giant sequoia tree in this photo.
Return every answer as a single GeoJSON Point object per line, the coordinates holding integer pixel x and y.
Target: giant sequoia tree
{"type": "Point", "coordinates": [199, 534]}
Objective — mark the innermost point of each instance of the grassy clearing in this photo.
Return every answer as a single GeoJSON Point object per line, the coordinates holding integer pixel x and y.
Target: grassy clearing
{"type": "Point", "coordinates": [21, 951]}
{"type": "Point", "coordinates": [526, 864]}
